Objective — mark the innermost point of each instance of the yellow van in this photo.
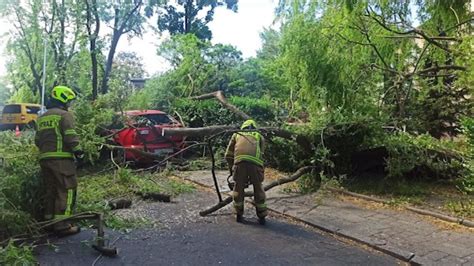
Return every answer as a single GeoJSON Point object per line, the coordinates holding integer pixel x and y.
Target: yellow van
{"type": "Point", "coordinates": [21, 114]}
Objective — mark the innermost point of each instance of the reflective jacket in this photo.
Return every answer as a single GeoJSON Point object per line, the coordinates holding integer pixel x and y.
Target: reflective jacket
{"type": "Point", "coordinates": [245, 146]}
{"type": "Point", "coordinates": [56, 137]}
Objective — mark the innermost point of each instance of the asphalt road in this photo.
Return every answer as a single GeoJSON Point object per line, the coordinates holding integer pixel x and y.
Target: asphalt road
{"type": "Point", "coordinates": [181, 237]}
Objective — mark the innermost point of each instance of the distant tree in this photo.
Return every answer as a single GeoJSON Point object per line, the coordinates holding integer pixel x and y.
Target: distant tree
{"type": "Point", "coordinates": [93, 27]}
{"type": "Point", "coordinates": [270, 44]}
{"type": "Point", "coordinates": [4, 93]}
{"type": "Point", "coordinates": [184, 16]}
{"type": "Point", "coordinates": [199, 66]}
{"type": "Point", "coordinates": [35, 21]}
{"type": "Point", "coordinates": [128, 65]}
{"type": "Point", "coordinates": [128, 17]}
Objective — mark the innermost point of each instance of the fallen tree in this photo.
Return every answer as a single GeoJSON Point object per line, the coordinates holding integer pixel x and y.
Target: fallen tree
{"type": "Point", "coordinates": [267, 132]}
{"type": "Point", "coordinates": [219, 95]}
{"type": "Point", "coordinates": [300, 172]}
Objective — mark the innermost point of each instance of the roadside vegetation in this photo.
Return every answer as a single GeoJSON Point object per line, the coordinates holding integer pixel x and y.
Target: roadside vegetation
{"type": "Point", "coordinates": [381, 89]}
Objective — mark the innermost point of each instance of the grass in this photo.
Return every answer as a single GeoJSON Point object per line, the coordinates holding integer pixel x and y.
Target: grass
{"type": "Point", "coordinates": [461, 208]}
{"type": "Point", "coordinates": [397, 193]}
{"type": "Point", "coordinates": [95, 192]}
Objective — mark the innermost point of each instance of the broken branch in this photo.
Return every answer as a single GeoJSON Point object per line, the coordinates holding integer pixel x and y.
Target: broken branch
{"type": "Point", "coordinates": [219, 95]}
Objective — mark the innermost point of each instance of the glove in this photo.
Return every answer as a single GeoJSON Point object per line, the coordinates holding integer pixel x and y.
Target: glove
{"type": "Point", "coordinates": [79, 154]}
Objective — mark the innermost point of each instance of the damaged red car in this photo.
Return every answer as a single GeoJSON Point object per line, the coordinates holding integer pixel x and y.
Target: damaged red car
{"type": "Point", "coordinates": [143, 131]}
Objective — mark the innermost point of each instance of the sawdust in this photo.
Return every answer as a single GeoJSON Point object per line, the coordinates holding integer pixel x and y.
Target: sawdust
{"type": "Point", "coordinates": [447, 225]}
{"type": "Point", "coordinates": [273, 174]}
{"type": "Point", "coordinates": [371, 205]}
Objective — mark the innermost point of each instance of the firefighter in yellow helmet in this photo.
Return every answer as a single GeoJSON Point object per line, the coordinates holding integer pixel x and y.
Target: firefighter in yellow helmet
{"type": "Point", "coordinates": [58, 144]}
{"type": "Point", "coordinates": [244, 156]}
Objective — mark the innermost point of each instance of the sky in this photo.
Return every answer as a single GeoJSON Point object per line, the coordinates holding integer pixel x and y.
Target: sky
{"type": "Point", "coordinates": [241, 29]}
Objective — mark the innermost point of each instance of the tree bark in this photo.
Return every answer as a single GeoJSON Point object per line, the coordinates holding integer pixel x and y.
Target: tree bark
{"type": "Point", "coordinates": [121, 26]}
{"type": "Point", "coordinates": [110, 58]}
{"type": "Point", "coordinates": [92, 43]}
{"type": "Point", "coordinates": [281, 181]}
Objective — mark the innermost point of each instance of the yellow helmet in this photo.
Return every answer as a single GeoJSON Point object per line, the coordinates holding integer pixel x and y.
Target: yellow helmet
{"type": "Point", "coordinates": [248, 123]}
{"type": "Point", "coordinates": [63, 94]}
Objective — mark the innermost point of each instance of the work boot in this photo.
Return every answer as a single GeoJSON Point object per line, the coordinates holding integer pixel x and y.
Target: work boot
{"type": "Point", "coordinates": [261, 220]}
{"type": "Point", "coordinates": [240, 218]}
{"type": "Point", "coordinates": [71, 230]}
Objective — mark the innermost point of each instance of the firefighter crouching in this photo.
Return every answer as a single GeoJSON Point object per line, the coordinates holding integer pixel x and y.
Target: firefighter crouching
{"type": "Point", "coordinates": [244, 156]}
{"type": "Point", "coordinates": [58, 143]}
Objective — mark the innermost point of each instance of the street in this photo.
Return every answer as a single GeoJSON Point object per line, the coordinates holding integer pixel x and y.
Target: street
{"type": "Point", "coordinates": [182, 237]}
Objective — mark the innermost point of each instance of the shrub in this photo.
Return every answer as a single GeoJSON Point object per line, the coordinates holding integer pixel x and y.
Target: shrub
{"type": "Point", "coordinates": [466, 184]}
{"type": "Point", "coordinates": [422, 157]}
{"type": "Point", "coordinates": [91, 119]}
{"type": "Point", "coordinates": [17, 255]}
{"type": "Point", "coordinates": [20, 183]}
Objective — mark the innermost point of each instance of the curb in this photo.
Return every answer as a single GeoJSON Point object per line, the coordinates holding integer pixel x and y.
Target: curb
{"type": "Point", "coordinates": [390, 250]}
{"type": "Point", "coordinates": [440, 216]}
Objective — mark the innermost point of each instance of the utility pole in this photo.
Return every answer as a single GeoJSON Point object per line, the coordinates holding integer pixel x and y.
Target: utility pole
{"type": "Point", "coordinates": [43, 108]}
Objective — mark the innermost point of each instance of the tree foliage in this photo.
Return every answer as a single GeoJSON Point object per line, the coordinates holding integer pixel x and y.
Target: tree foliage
{"type": "Point", "coordinates": [75, 48]}
{"type": "Point", "coordinates": [371, 56]}
{"type": "Point", "coordinates": [352, 72]}
{"type": "Point", "coordinates": [185, 17]}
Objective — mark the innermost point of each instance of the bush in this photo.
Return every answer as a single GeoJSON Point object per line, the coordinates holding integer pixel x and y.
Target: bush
{"type": "Point", "coordinates": [422, 157]}
{"type": "Point", "coordinates": [91, 120]}
{"type": "Point", "coordinates": [14, 255]}
{"type": "Point", "coordinates": [20, 183]}
{"type": "Point", "coordinates": [466, 184]}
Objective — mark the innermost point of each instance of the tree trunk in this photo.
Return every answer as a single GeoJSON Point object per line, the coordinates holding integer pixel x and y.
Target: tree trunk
{"type": "Point", "coordinates": [92, 42]}
{"type": "Point", "coordinates": [61, 63]}
{"type": "Point", "coordinates": [187, 14]}
{"type": "Point", "coordinates": [94, 69]}
{"type": "Point", "coordinates": [267, 132]}
{"type": "Point", "coordinates": [108, 66]}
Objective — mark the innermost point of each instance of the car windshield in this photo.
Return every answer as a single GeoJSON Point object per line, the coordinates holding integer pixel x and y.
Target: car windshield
{"type": "Point", "coordinates": [155, 119]}
{"type": "Point", "coordinates": [12, 109]}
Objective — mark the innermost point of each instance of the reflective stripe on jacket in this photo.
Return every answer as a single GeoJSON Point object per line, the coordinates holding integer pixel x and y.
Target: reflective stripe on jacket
{"type": "Point", "coordinates": [245, 146]}
{"type": "Point", "coordinates": [55, 135]}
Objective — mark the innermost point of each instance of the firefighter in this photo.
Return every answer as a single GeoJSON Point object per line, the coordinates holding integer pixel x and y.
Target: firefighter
{"type": "Point", "coordinates": [58, 145]}
{"type": "Point", "coordinates": [244, 156]}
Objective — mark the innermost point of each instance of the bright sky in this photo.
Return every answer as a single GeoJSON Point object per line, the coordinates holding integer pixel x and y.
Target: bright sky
{"type": "Point", "coordinates": [241, 29]}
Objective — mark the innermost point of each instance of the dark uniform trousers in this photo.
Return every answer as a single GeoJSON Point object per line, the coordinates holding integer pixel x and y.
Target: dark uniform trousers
{"type": "Point", "coordinates": [247, 172]}
{"type": "Point", "coordinates": [59, 176]}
